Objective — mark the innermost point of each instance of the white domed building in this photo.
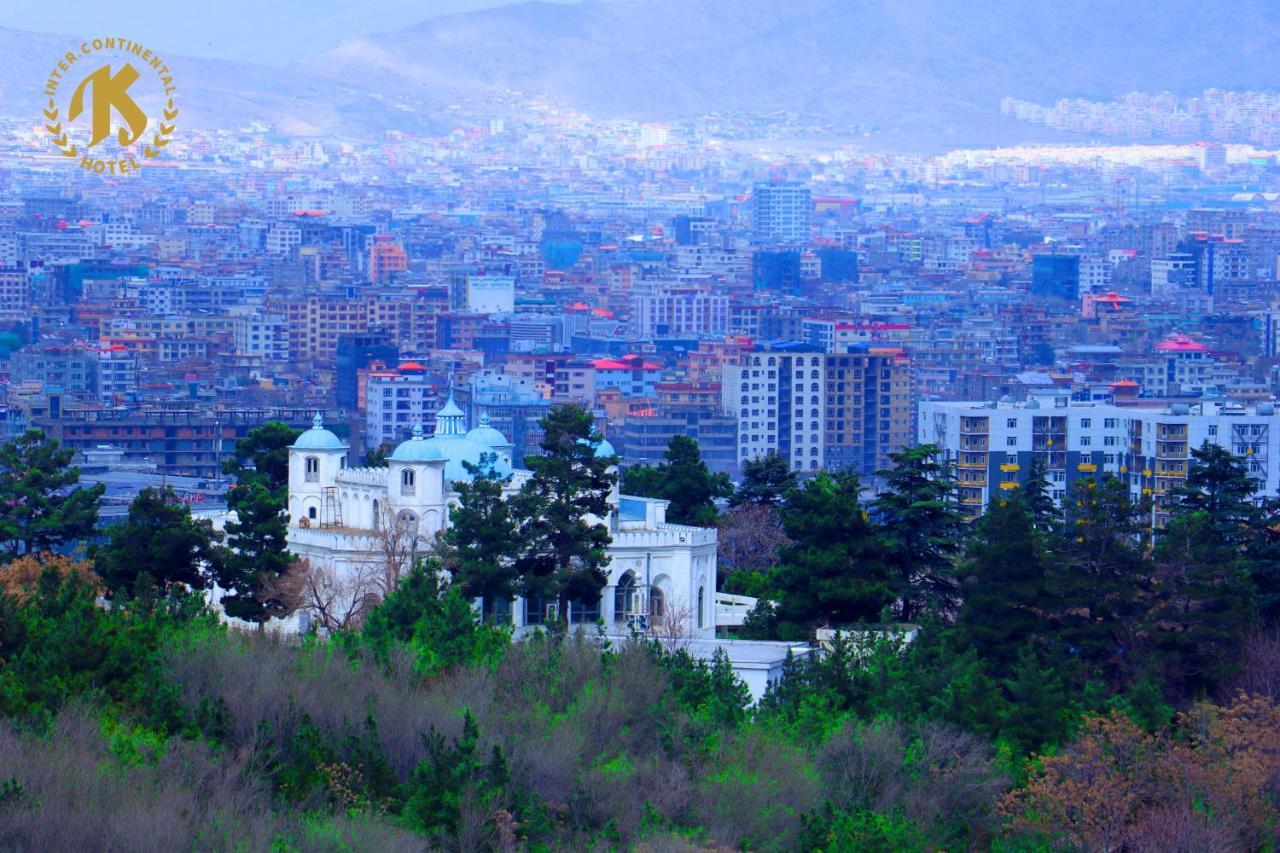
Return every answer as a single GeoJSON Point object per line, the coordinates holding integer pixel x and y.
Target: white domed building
{"type": "Point", "coordinates": [358, 522]}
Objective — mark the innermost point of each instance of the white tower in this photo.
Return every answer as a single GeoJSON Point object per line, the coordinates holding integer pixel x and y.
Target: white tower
{"type": "Point", "coordinates": [314, 462]}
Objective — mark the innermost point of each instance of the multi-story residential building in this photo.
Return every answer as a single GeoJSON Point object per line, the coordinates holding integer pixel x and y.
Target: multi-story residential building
{"type": "Point", "coordinates": [116, 374]}
{"type": "Point", "coordinates": [397, 401]}
{"type": "Point", "coordinates": [781, 212]}
{"type": "Point", "coordinates": [661, 309]}
{"type": "Point", "coordinates": [993, 446]}
{"type": "Point", "coordinates": [778, 397]}
{"type": "Point", "coordinates": [387, 258]}
{"type": "Point", "coordinates": [264, 336]}
{"type": "Point", "coordinates": [868, 408]}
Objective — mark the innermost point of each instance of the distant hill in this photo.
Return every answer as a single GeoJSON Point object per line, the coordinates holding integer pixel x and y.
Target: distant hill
{"type": "Point", "coordinates": [215, 93]}
{"type": "Point", "coordinates": [926, 66]}
{"type": "Point", "coordinates": [929, 69]}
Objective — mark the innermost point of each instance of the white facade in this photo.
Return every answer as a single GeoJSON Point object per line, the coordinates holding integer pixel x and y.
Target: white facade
{"type": "Point", "coordinates": [339, 518]}
{"type": "Point", "coordinates": [993, 445]}
{"type": "Point", "coordinates": [779, 399]}
{"type": "Point", "coordinates": [491, 294]}
{"type": "Point", "coordinates": [394, 402]}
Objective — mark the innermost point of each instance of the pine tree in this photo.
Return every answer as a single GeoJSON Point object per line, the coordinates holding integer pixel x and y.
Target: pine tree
{"type": "Point", "coordinates": [1003, 579]}
{"type": "Point", "coordinates": [831, 571]}
{"type": "Point", "coordinates": [765, 480]}
{"type": "Point", "coordinates": [1037, 497]}
{"type": "Point", "coordinates": [923, 531]}
{"type": "Point", "coordinates": [262, 456]}
{"type": "Point", "coordinates": [684, 480]}
{"type": "Point", "coordinates": [257, 556]}
{"type": "Point", "coordinates": [481, 537]}
{"type": "Point", "coordinates": [560, 511]}
{"type": "Point", "coordinates": [1203, 596]}
{"type": "Point", "coordinates": [42, 507]}
{"type": "Point", "coordinates": [1100, 578]}
{"type": "Point", "coordinates": [158, 545]}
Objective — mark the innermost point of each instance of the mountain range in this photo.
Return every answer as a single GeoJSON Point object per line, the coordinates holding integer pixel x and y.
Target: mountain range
{"type": "Point", "coordinates": [927, 69]}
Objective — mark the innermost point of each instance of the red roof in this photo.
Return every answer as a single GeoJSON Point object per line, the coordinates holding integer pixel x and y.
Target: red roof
{"type": "Point", "coordinates": [614, 364]}
{"type": "Point", "coordinates": [411, 365]}
{"type": "Point", "coordinates": [1181, 343]}
{"type": "Point", "coordinates": [1124, 383]}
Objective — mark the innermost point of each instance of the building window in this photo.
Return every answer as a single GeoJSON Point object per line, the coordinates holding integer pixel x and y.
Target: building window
{"type": "Point", "coordinates": [657, 603]}
{"type": "Point", "coordinates": [407, 481]}
{"type": "Point", "coordinates": [702, 606]}
{"type": "Point", "coordinates": [311, 512]}
{"type": "Point", "coordinates": [312, 466]}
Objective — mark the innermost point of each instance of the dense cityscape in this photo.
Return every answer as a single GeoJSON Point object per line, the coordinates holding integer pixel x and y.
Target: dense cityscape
{"type": "Point", "coordinates": [531, 477]}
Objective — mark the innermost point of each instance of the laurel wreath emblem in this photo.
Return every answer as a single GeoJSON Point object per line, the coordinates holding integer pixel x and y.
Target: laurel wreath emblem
{"type": "Point", "coordinates": [159, 140]}
{"type": "Point", "coordinates": [55, 130]}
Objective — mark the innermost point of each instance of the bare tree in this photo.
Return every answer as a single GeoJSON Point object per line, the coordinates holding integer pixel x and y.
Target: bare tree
{"type": "Point", "coordinates": [750, 537]}
{"type": "Point", "coordinates": [399, 544]}
{"type": "Point", "coordinates": [673, 627]}
{"type": "Point", "coordinates": [340, 600]}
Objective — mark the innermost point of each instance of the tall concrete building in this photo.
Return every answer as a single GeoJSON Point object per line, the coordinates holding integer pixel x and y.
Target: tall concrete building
{"type": "Point", "coordinates": [782, 212]}
{"type": "Point", "coordinates": [993, 446]}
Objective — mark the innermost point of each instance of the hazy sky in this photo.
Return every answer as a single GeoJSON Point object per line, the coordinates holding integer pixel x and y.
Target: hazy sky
{"type": "Point", "coordinates": [274, 32]}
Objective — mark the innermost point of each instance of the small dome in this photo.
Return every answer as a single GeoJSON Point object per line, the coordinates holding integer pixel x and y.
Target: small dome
{"type": "Point", "coordinates": [603, 448]}
{"type": "Point", "coordinates": [486, 435]}
{"type": "Point", "coordinates": [417, 449]}
{"type": "Point", "coordinates": [318, 438]}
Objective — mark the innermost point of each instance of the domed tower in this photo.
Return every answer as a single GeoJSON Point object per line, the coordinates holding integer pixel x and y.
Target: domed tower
{"type": "Point", "coordinates": [415, 483]}
{"type": "Point", "coordinates": [315, 459]}
{"type": "Point", "coordinates": [486, 436]}
{"type": "Point", "coordinates": [455, 445]}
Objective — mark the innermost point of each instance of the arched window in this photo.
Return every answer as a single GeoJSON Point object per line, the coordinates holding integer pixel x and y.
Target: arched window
{"type": "Point", "coordinates": [702, 606]}
{"type": "Point", "coordinates": [311, 466]}
{"type": "Point", "coordinates": [623, 597]}
{"type": "Point", "coordinates": [376, 518]}
{"type": "Point", "coordinates": [407, 481]}
{"type": "Point", "coordinates": [657, 603]}
{"type": "Point", "coordinates": [311, 512]}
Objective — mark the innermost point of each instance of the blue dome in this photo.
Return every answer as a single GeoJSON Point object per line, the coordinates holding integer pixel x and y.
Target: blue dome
{"type": "Point", "coordinates": [486, 435]}
{"type": "Point", "coordinates": [603, 448]}
{"type": "Point", "coordinates": [416, 449]}
{"type": "Point", "coordinates": [318, 438]}
{"type": "Point", "coordinates": [456, 446]}
{"type": "Point", "coordinates": [456, 450]}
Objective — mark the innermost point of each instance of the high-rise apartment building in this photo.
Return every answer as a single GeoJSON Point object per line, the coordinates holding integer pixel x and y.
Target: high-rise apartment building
{"type": "Point", "coordinates": [782, 212]}
{"type": "Point", "coordinates": [779, 399]}
{"type": "Point", "coordinates": [993, 446]}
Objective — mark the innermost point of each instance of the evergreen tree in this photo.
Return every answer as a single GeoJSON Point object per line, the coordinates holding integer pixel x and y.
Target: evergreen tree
{"type": "Point", "coordinates": [42, 507]}
{"type": "Point", "coordinates": [434, 620]}
{"type": "Point", "coordinates": [1003, 579]}
{"type": "Point", "coordinates": [481, 538]}
{"type": "Point", "coordinates": [831, 571]}
{"type": "Point", "coordinates": [1263, 555]}
{"type": "Point", "coordinates": [1100, 578]}
{"type": "Point", "coordinates": [1203, 597]}
{"type": "Point", "coordinates": [158, 545]}
{"type": "Point", "coordinates": [1037, 497]}
{"type": "Point", "coordinates": [1037, 711]}
{"type": "Point", "coordinates": [257, 556]}
{"type": "Point", "coordinates": [923, 530]}
{"type": "Point", "coordinates": [560, 511]}
{"type": "Point", "coordinates": [765, 480]}
{"type": "Point", "coordinates": [263, 455]}
{"type": "Point", "coordinates": [684, 480]}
